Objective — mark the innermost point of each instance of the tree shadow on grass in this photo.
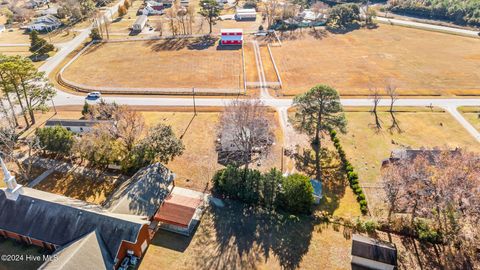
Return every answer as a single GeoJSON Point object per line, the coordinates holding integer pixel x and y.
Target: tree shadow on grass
{"type": "Point", "coordinates": [172, 44]}
{"type": "Point", "coordinates": [172, 240]}
{"type": "Point", "coordinates": [247, 235]}
{"type": "Point", "coordinates": [341, 31]}
{"type": "Point", "coordinates": [202, 43]}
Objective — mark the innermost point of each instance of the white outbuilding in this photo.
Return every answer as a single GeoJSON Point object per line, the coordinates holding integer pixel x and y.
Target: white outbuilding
{"type": "Point", "coordinates": [140, 23]}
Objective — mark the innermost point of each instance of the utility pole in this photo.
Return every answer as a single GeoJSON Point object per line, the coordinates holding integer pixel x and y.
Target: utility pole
{"type": "Point", "coordinates": [54, 108]}
{"type": "Point", "coordinates": [194, 105]}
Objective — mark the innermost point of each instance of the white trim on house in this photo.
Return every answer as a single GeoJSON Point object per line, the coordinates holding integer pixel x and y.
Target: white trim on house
{"type": "Point", "coordinates": [371, 263]}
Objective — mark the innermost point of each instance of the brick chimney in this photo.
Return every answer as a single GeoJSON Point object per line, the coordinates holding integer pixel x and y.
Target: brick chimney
{"type": "Point", "coordinates": [13, 189]}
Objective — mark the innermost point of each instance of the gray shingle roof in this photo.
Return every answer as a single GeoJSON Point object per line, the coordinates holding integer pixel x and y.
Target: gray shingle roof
{"type": "Point", "coordinates": [88, 252]}
{"type": "Point", "coordinates": [374, 249]}
{"type": "Point", "coordinates": [144, 193]}
{"type": "Point", "coordinates": [60, 220]}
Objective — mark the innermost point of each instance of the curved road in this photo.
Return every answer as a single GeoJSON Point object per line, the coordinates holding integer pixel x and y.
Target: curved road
{"type": "Point", "coordinates": [64, 98]}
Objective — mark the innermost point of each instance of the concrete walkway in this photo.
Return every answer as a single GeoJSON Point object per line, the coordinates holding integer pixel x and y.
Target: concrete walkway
{"type": "Point", "coordinates": [41, 177]}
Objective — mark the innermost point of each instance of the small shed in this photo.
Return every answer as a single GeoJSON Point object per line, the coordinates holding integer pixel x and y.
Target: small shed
{"type": "Point", "coordinates": [140, 23]}
{"type": "Point", "coordinates": [371, 253]}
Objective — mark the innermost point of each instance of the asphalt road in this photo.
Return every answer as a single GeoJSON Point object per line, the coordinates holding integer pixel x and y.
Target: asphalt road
{"type": "Point", "coordinates": [281, 105]}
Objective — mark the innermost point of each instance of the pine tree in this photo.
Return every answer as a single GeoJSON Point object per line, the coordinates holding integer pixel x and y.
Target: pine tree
{"type": "Point", "coordinates": [38, 45]}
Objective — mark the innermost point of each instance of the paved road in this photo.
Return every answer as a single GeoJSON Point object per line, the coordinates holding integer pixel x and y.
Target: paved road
{"type": "Point", "coordinates": [431, 27]}
{"type": "Point", "coordinates": [281, 105]}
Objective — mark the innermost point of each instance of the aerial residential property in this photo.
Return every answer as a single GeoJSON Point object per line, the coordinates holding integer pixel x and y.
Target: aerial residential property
{"type": "Point", "coordinates": [221, 134]}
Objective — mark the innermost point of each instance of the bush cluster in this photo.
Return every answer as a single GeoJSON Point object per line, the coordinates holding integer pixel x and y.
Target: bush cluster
{"type": "Point", "coordinates": [426, 233]}
{"type": "Point", "coordinates": [293, 193]}
{"type": "Point", "coordinates": [352, 176]}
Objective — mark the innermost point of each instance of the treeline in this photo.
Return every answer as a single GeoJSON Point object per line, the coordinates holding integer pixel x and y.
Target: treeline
{"type": "Point", "coordinates": [466, 12]}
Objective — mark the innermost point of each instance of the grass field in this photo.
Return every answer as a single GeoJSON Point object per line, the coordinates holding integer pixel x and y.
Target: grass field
{"type": "Point", "coordinates": [179, 63]}
{"type": "Point", "coordinates": [17, 50]}
{"type": "Point", "coordinates": [419, 62]}
{"type": "Point", "coordinates": [19, 36]}
{"type": "Point", "coordinates": [234, 238]}
{"type": "Point", "coordinates": [198, 163]}
{"type": "Point", "coordinates": [472, 114]}
{"type": "Point", "coordinates": [193, 169]}
{"type": "Point", "coordinates": [366, 148]}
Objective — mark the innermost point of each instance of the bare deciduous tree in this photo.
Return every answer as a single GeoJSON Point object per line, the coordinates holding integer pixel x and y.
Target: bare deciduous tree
{"type": "Point", "coordinates": [375, 95]}
{"type": "Point", "coordinates": [442, 187]}
{"type": "Point", "coordinates": [272, 11]}
{"type": "Point", "coordinates": [245, 132]}
{"type": "Point", "coordinates": [391, 91]}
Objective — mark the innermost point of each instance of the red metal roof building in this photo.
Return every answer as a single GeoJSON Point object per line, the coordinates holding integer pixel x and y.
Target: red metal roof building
{"type": "Point", "coordinates": [232, 37]}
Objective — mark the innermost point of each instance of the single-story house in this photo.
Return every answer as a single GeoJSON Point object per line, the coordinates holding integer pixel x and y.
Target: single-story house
{"type": "Point", "coordinates": [83, 235]}
{"type": "Point", "coordinates": [45, 23]}
{"type": "Point", "coordinates": [410, 154]}
{"type": "Point", "coordinates": [76, 126]}
{"type": "Point", "coordinates": [140, 23]}
{"type": "Point", "coordinates": [370, 253]}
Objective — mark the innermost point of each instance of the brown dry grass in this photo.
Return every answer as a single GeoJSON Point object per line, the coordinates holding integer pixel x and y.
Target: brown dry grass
{"type": "Point", "coordinates": [79, 187]}
{"type": "Point", "coordinates": [195, 168]}
{"type": "Point", "coordinates": [366, 148]}
{"type": "Point", "coordinates": [250, 63]}
{"type": "Point", "coordinates": [420, 62]}
{"type": "Point", "coordinates": [472, 114]}
{"type": "Point", "coordinates": [10, 51]}
{"type": "Point", "coordinates": [229, 238]}
{"type": "Point", "coordinates": [179, 63]}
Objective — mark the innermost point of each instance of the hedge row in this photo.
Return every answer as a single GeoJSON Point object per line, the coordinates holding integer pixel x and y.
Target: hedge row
{"type": "Point", "coordinates": [351, 174]}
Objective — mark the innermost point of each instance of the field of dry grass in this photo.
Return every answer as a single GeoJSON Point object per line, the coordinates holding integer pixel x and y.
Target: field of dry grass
{"type": "Point", "coordinates": [472, 114]}
{"type": "Point", "coordinates": [19, 36]}
{"type": "Point", "coordinates": [92, 190]}
{"type": "Point", "coordinates": [195, 168]}
{"type": "Point", "coordinates": [230, 238]}
{"type": "Point", "coordinates": [237, 238]}
{"type": "Point", "coordinates": [179, 63]}
{"type": "Point", "coordinates": [419, 62]}
{"type": "Point", "coordinates": [366, 147]}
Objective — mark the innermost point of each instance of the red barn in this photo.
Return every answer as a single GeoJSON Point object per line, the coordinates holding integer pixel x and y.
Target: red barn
{"type": "Point", "coordinates": [232, 37]}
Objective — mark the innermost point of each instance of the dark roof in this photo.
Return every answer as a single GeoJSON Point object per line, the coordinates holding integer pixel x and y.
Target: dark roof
{"type": "Point", "coordinates": [374, 249]}
{"type": "Point", "coordinates": [60, 220]}
{"type": "Point", "coordinates": [74, 123]}
{"type": "Point", "coordinates": [143, 193]}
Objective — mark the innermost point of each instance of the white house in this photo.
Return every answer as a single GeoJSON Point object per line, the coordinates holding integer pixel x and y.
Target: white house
{"type": "Point", "coordinates": [231, 37]}
{"type": "Point", "coordinates": [140, 23]}
{"type": "Point", "coordinates": [45, 23]}
{"type": "Point", "coordinates": [245, 14]}
{"type": "Point", "coordinates": [75, 126]}
{"type": "Point", "coordinates": [2, 28]}
{"type": "Point", "coordinates": [369, 253]}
